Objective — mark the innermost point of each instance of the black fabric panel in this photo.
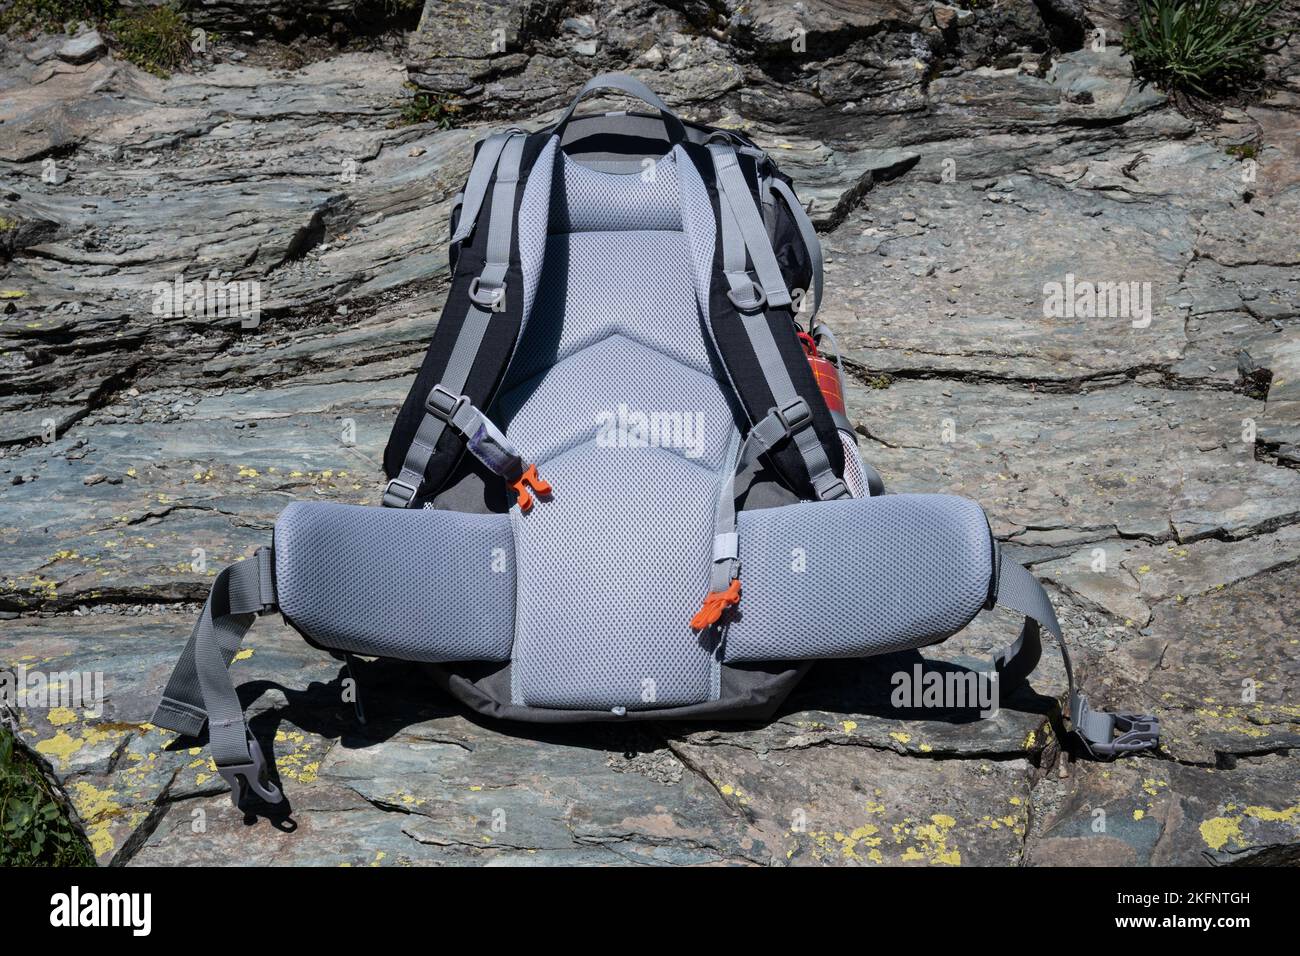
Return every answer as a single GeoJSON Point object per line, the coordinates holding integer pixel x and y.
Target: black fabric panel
{"type": "Point", "coordinates": [743, 367]}
{"type": "Point", "coordinates": [498, 343]}
{"type": "Point", "coordinates": [791, 254]}
{"type": "Point", "coordinates": [748, 692]}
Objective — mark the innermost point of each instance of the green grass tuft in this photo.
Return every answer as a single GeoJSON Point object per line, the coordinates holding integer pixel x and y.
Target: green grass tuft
{"type": "Point", "coordinates": [156, 39]}
{"type": "Point", "coordinates": [423, 107]}
{"type": "Point", "coordinates": [34, 829]}
{"type": "Point", "coordinates": [1207, 48]}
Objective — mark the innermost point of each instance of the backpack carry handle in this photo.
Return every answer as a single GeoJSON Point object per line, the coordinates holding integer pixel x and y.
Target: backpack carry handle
{"type": "Point", "coordinates": [632, 87]}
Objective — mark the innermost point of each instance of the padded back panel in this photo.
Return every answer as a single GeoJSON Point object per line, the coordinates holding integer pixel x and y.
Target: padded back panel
{"type": "Point", "coordinates": [858, 577]}
{"type": "Point", "coordinates": [613, 392]}
{"type": "Point", "coordinates": [418, 585]}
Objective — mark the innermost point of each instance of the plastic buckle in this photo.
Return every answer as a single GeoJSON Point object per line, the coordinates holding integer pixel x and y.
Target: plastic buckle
{"type": "Point", "coordinates": [443, 404]}
{"type": "Point", "coordinates": [794, 415]}
{"type": "Point", "coordinates": [492, 299]}
{"type": "Point", "coordinates": [398, 494]}
{"type": "Point", "coordinates": [250, 776]}
{"type": "Point", "coordinates": [755, 304]}
{"type": "Point", "coordinates": [1136, 732]}
{"type": "Point", "coordinates": [833, 490]}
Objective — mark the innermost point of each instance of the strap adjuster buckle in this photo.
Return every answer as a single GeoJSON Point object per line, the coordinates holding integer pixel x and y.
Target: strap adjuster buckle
{"type": "Point", "coordinates": [265, 558]}
{"type": "Point", "coordinates": [794, 415]}
{"type": "Point", "coordinates": [492, 299]}
{"type": "Point", "coordinates": [443, 404]}
{"type": "Point", "coordinates": [832, 490]}
{"type": "Point", "coordinates": [756, 301]}
{"type": "Point", "coordinates": [398, 494]}
{"type": "Point", "coordinates": [243, 777]}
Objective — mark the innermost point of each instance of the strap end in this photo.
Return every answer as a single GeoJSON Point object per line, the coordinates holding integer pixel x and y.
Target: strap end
{"type": "Point", "coordinates": [179, 717]}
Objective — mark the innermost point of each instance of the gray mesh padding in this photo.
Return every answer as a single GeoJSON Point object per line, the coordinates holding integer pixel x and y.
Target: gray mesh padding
{"type": "Point", "coordinates": [591, 200]}
{"type": "Point", "coordinates": [612, 568]}
{"type": "Point", "coordinates": [878, 575]}
{"type": "Point", "coordinates": [418, 585]}
{"type": "Point", "coordinates": [636, 284]}
{"type": "Point", "coordinates": [570, 402]}
{"type": "Point", "coordinates": [610, 572]}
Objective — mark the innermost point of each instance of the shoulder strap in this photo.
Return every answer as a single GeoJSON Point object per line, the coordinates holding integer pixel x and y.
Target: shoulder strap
{"type": "Point", "coordinates": [499, 161]}
{"type": "Point", "coordinates": [1103, 734]}
{"type": "Point", "coordinates": [480, 175]}
{"type": "Point", "coordinates": [744, 242]}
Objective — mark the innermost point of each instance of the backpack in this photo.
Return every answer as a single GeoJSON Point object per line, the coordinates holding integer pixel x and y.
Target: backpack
{"type": "Point", "coordinates": [622, 416]}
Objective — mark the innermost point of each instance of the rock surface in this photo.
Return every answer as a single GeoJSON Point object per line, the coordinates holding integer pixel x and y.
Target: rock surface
{"type": "Point", "coordinates": [960, 166]}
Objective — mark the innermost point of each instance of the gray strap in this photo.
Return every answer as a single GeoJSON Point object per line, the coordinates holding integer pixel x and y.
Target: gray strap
{"type": "Point", "coordinates": [1103, 733]}
{"type": "Point", "coordinates": [200, 689]}
{"type": "Point", "coordinates": [632, 87]}
{"type": "Point", "coordinates": [479, 178]}
{"type": "Point", "coordinates": [792, 407]}
{"type": "Point", "coordinates": [487, 295]}
{"type": "Point", "coordinates": [733, 189]}
{"type": "Point", "coordinates": [810, 241]}
{"type": "Point", "coordinates": [742, 229]}
{"type": "Point", "coordinates": [481, 436]}
{"type": "Point", "coordinates": [762, 438]}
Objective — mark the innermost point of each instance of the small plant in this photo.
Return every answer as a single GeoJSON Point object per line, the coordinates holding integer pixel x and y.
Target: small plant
{"type": "Point", "coordinates": [1203, 47]}
{"type": "Point", "coordinates": [54, 15]}
{"type": "Point", "coordinates": [156, 39]}
{"type": "Point", "coordinates": [422, 107]}
{"type": "Point", "coordinates": [34, 830]}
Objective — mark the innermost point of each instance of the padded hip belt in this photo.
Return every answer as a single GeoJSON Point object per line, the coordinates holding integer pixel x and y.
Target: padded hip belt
{"type": "Point", "coordinates": [845, 578]}
{"type": "Point", "coordinates": [848, 578]}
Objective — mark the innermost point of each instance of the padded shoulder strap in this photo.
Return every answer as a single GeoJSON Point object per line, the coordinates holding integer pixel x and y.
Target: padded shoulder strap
{"type": "Point", "coordinates": [1103, 734]}
{"type": "Point", "coordinates": [480, 322]}
{"type": "Point", "coordinates": [762, 310]}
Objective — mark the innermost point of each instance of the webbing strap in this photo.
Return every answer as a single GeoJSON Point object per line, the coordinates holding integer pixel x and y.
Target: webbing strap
{"type": "Point", "coordinates": [479, 178]}
{"type": "Point", "coordinates": [742, 229]}
{"type": "Point", "coordinates": [487, 295]}
{"type": "Point", "coordinates": [200, 689]}
{"type": "Point", "coordinates": [747, 222]}
{"type": "Point", "coordinates": [1103, 733]}
{"type": "Point", "coordinates": [810, 241]}
{"type": "Point", "coordinates": [481, 436]}
{"type": "Point", "coordinates": [764, 436]}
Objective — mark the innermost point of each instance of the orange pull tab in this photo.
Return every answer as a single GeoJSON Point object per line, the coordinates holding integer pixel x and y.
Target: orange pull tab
{"type": "Point", "coordinates": [529, 479]}
{"type": "Point", "coordinates": [715, 602]}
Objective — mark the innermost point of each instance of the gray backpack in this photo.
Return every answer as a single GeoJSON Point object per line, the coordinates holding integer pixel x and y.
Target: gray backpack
{"type": "Point", "coordinates": [625, 308]}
